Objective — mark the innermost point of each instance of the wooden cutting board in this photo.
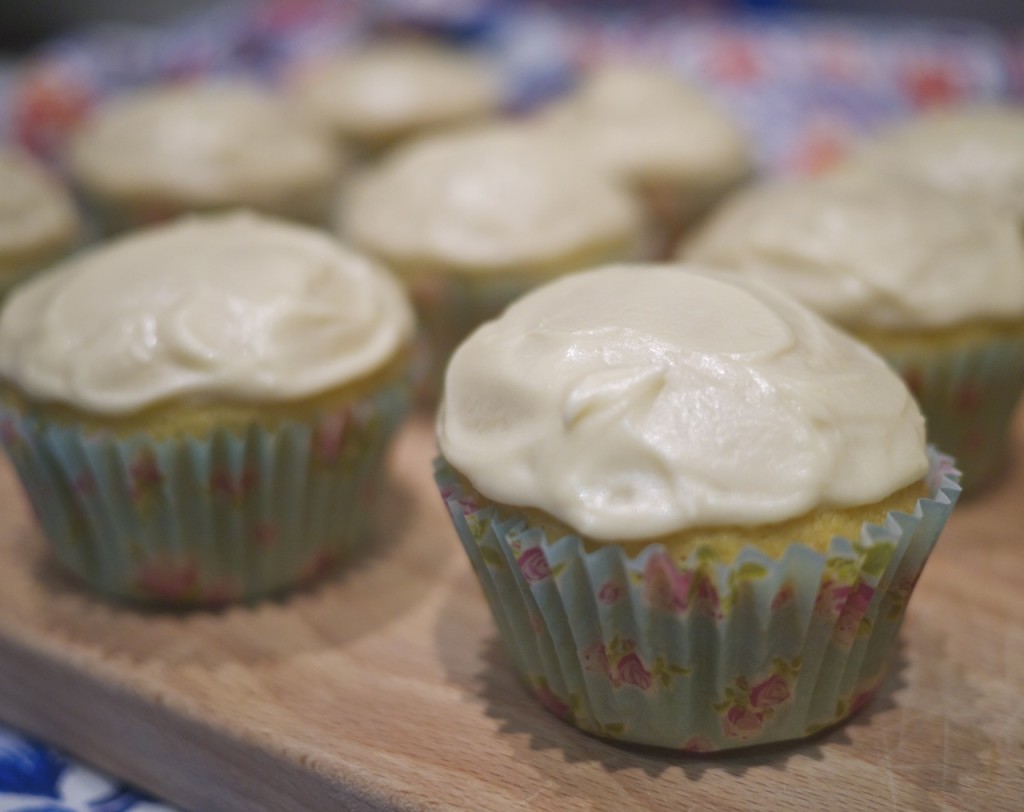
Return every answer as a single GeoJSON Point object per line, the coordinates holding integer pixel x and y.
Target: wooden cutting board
{"type": "Point", "coordinates": [386, 688]}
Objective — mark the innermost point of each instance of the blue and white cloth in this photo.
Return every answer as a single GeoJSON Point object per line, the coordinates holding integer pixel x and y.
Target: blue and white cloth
{"type": "Point", "coordinates": [38, 778]}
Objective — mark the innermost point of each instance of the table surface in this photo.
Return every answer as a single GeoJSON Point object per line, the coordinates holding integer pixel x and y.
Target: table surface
{"type": "Point", "coordinates": [386, 688]}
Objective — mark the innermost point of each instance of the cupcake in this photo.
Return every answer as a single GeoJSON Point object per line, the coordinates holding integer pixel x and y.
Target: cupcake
{"type": "Point", "coordinates": [161, 152]}
{"type": "Point", "coordinates": [696, 509]}
{"type": "Point", "coordinates": [38, 221]}
{"type": "Point", "coordinates": [472, 220]}
{"type": "Point", "coordinates": [198, 411]}
{"type": "Point", "coordinates": [933, 285]}
{"type": "Point", "coordinates": [387, 92]}
{"type": "Point", "coordinates": [977, 152]}
{"type": "Point", "coordinates": [650, 130]}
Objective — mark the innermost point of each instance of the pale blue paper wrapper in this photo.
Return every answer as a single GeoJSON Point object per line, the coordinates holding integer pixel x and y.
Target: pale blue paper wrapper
{"type": "Point", "coordinates": [206, 520]}
{"type": "Point", "coordinates": [968, 396]}
{"type": "Point", "coordinates": [700, 656]}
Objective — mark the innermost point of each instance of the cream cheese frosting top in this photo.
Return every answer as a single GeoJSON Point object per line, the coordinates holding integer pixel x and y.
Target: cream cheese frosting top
{"type": "Point", "coordinates": [489, 199]}
{"type": "Point", "coordinates": [386, 91]}
{"type": "Point", "coordinates": [233, 308]}
{"type": "Point", "coordinates": [871, 252]}
{"type": "Point", "coordinates": [636, 401]}
{"type": "Point", "coordinates": [214, 144]}
{"type": "Point", "coordinates": [976, 151]}
{"type": "Point", "coordinates": [643, 124]}
{"type": "Point", "coordinates": [36, 213]}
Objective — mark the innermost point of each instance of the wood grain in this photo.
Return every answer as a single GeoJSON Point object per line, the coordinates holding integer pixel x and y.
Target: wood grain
{"type": "Point", "coordinates": [386, 688]}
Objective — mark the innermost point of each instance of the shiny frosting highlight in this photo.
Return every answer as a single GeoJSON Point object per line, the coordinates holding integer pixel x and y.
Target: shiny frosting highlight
{"type": "Point", "coordinates": [636, 401]}
{"type": "Point", "coordinates": [235, 307]}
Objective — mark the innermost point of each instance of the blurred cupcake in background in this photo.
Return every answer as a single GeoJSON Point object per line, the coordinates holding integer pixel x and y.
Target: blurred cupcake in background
{"type": "Point", "coordinates": [38, 219]}
{"type": "Point", "coordinates": [932, 284]}
{"type": "Point", "coordinates": [473, 219]}
{"type": "Point", "coordinates": [160, 152]}
{"type": "Point", "coordinates": [386, 92]}
{"type": "Point", "coordinates": [667, 142]}
{"type": "Point", "coordinates": [976, 152]}
{"type": "Point", "coordinates": [696, 509]}
{"type": "Point", "coordinates": [198, 411]}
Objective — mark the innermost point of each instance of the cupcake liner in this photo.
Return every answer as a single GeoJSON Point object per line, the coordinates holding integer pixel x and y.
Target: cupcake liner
{"type": "Point", "coordinates": [968, 396]}
{"type": "Point", "coordinates": [208, 519]}
{"type": "Point", "coordinates": [449, 308]}
{"type": "Point", "coordinates": [699, 656]}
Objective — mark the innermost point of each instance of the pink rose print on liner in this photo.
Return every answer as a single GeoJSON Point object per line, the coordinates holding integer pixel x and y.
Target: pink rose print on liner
{"type": "Point", "coordinates": [145, 474]}
{"type": "Point", "coordinates": [848, 624]}
{"type": "Point", "coordinates": [9, 433]}
{"type": "Point", "coordinates": [84, 484]}
{"type": "Point", "coordinates": [697, 744]}
{"type": "Point", "coordinates": [770, 692]}
{"type": "Point", "coordinates": [860, 700]}
{"type": "Point", "coordinates": [550, 701]}
{"type": "Point", "coordinates": [630, 670]}
{"type": "Point", "coordinates": [265, 535]}
{"type": "Point", "coordinates": [785, 596]}
{"type": "Point", "coordinates": [452, 493]}
{"type": "Point", "coordinates": [609, 592]}
{"type": "Point", "coordinates": [231, 488]}
{"type": "Point", "coordinates": [665, 586]}
{"type": "Point", "coordinates": [329, 437]}
{"type": "Point", "coordinates": [595, 659]}
{"type": "Point", "coordinates": [318, 565]}
{"type": "Point", "coordinates": [168, 580]}
{"type": "Point", "coordinates": [534, 565]}
{"type": "Point", "coordinates": [831, 598]}
{"type": "Point", "coordinates": [704, 598]}
{"type": "Point", "coordinates": [742, 723]}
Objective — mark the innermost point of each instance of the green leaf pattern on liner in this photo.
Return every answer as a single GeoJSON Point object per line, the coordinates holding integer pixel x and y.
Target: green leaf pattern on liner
{"type": "Point", "coordinates": [205, 520]}
{"type": "Point", "coordinates": [698, 654]}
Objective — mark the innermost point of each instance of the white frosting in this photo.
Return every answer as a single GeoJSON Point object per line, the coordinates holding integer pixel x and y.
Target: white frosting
{"type": "Point", "coordinates": [235, 307]}
{"type": "Point", "coordinates": [390, 90]}
{"type": "Point", "coordinates": [499, 198]}
{"type": "Point", "coordinates": [871, 252]}
{"type": "Point", "coordinates": [974, 151]}
{"type": "Point", "coordinates": [648, 125]}
{"type": "Point", "coordinates": [36, 213]}
{"type": "Point", "coordinates": [209, 144]}
{"type": "Point", "coordinates": [636, 401]}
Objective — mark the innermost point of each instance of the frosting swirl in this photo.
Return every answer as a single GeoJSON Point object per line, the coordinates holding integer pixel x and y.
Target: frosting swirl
{"type": "Point", "coordinates": [36, 213]}
{"type": "Point", "coordinates": [389, 90]}
{"type": "Point", "coordinates": [975, 151]}
{"type": "Point", "coordinates": [491, 199]}
{"type": "Point", "coordinates": [647, 125]}
{"type": "Point", "coordinates": [635, 401]}
{"type": "Point", "coordinates": [212, 144]}
{"type": "Point", "coordinates": [871, 252]}
{"type": "Point", "coordinates": [235, 307]}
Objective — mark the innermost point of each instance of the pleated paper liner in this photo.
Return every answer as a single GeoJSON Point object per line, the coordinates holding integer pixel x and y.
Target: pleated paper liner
{"type": "Point", "coordinates": [968, 395]}
{"type": "Point", "coordinates": [209, 519]}
{"type": "Point", "coordinates": [699, 655]}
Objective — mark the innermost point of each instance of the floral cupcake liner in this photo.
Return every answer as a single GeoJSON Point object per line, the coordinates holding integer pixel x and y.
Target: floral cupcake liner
{"type": "Point", "coordinates": [449, 308]}
{"type": "Point", "coordinates": [699, 655]}
{"type": "Point", "coordinates": [968, 396]}
{"type": "Point", "coordinates": [205, 520]}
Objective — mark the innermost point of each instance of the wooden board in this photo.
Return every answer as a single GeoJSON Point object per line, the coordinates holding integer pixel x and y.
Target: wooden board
{"type": "Point", "coordinates": [387, 688]}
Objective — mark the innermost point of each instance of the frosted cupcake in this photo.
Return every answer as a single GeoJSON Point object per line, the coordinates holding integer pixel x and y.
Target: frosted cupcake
{"type": "Point", "coordinates": [696, 509]}
{"type": "Point", "coordinates": [38, 221]}
{"type": "Point", "coordinates": [387, 92]}
{"type": "Point", "coordinates": [662, 138]}
{"type": "Point", "coordinates": [935, 286]}
{"type": "Point", "coordinates": [198, 411]}
{"type": "Point", "coordinates": [160, 152]}
{"type": "Point", "coordinates": [977, 152]}
{"type": "Point", "coordinates": [472, 220]}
